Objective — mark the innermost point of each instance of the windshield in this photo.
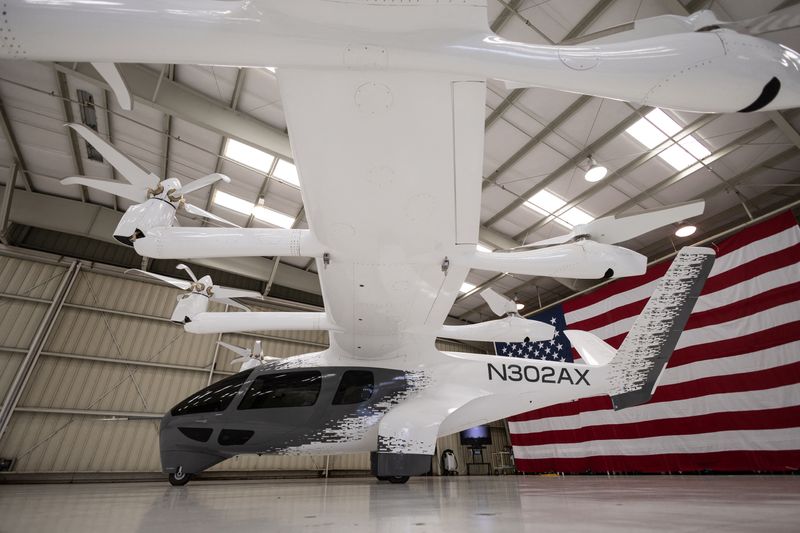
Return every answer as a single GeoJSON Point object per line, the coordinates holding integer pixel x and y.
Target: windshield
{"type": "Point", "coordinates": [214, 398]}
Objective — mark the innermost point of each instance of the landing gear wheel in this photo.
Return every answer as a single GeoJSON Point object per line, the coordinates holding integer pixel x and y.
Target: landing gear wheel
{"type": "Point", "coordinates": [179, 479]}
{"type": "Point", "coordinates": [397, 479]}
{"type": "Point", "coordinates": [382, 478]}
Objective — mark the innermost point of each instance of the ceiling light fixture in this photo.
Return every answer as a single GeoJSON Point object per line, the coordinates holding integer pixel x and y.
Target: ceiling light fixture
{"type": "Point", "coordinates": [596, 171]}
{"type": "Point", "coordinates": [685, 231]}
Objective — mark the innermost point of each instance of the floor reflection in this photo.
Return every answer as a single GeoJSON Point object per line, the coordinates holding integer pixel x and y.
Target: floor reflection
{"type": "Point", "coordinates": [458, 504]}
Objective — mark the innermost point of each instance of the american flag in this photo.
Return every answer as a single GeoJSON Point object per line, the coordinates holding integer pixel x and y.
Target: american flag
{"type": "Point", "coordinates": [556, 349]}
{"type": "Point", "coordinates": [729, 399]}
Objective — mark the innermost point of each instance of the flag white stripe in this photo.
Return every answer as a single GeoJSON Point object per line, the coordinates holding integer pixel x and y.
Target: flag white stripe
{"type": "Point", "coordinates": [750, 252]}
{"type": "Point", "coordinates": [735, 364]}
{"type": "Point", "coordinates": [748, 288]}
{"type": "Point", "coordinates": [720, 441]}
{"type": "Point", "coordinates": [731, 295]}
{"type": "Point", "coordinates": [775, 398]}
{"type": "Point", "coordinates": [769, 318]}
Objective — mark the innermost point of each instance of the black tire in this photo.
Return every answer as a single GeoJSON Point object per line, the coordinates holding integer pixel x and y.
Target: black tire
{"type": "Point", "coordinates": [398, 479]}
{"type": "Point", "coordinates": [179, 480]}
{"type": "Point", "coordinates": [382, 478]}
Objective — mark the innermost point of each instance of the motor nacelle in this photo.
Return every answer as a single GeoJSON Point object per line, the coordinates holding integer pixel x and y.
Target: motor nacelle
{"type": "Point", "coordinates": [188, 306]}
{"type": "Point", "coordinates": [140, 218]}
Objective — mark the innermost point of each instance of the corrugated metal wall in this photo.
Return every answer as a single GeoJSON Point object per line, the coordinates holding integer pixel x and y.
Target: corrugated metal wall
{"type": "Point", "coordinates": [111, 355]}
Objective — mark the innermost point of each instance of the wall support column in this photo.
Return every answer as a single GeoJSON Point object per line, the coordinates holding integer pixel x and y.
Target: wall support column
{"type": "Point", "coordinates": [39, 339]}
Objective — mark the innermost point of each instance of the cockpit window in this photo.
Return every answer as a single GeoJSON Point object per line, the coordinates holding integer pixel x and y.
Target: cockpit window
{"type": "Point", "coordinates": [287, 389]}
{"type": "Point", "coordinates": [214, 398]}
{"type": "Point", "coordinates": [356, 387]}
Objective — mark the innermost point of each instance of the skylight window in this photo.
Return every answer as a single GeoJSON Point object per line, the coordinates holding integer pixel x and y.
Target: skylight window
{"type": "Point", "coordinates": [265, 214]}
{"type": "Point", "coordinates": [286, 171]}
{"type": "Point", "coordinates": [466, 287]}
{"type": "Point", "coordinates": [273, 217]}
{"type": "Point", "coordinates": [249, 156]}
{"type": "Point", "coordinates": [234, 203]}
{"type": "Point", "coordinates": [656, 128]}
{"type": "Point", "coordinates": [547, 203]}
{"type": "Point", "coordinates": [575, 216]}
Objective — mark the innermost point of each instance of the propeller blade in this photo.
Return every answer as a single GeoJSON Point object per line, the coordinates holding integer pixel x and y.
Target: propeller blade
{"type": "Point", "coordinates": [117, 188]}
{"type": "Point", "coordinates": [612, 230]}
{"type": "Point", "coordinates": [129, 170]}
{"type": "Point", "coordinates": [194, 210]}
{"type": "Point", "coordinates": [228, 292]}
{"type": "Point", "coordinates": [499, 304]}
{"type": "Point", "coordinates": [203, 182]}
{"type": "Point", "coordinates": [188, 270]}
{"type": "Point", "coordinates": [783, 19]}
{"type": "Point", "coordinates": [180, 283]}
{"type": "Point", "coordinates": [243, 353]}
{"type": "Point", "coordinates": [232, 303]}
{"type": "Point", "coordinates": [113, 77]}
{"type": "Point", "coordinates": [240, 360]}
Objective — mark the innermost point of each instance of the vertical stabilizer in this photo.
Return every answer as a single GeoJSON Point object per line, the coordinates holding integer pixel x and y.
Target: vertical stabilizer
{"type": "Point", "coordinates": [634, 371]}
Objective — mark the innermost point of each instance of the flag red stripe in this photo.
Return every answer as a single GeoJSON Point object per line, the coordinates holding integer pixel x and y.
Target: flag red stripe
{"type": "Point", "coordinates": [747, 381]}
{"type": "Point", "coordinates": [759, 340]}
{"type": "Point", "coordinates": [744, 307]}
{"type": "Point", "coordinates": [727, 461]}
{"type": "Point", "coordinates": [745, 271]}
{"type": "Point", "coordinates": [752, 342]}
{"type": "Point", "coordinates": [734, 276]}
{"type": "Point", "coordinates": [779, 418]}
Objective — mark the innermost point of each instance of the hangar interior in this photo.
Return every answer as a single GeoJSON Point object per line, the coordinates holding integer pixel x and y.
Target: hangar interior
{"type": "Point", "coordinates": [89, 360]}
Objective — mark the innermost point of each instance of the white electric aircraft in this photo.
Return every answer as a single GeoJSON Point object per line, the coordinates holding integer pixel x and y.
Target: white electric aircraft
{"type": "Point", "coordinates": [384, 101]}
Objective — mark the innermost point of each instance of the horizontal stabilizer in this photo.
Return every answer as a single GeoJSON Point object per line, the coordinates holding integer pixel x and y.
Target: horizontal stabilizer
{"type": "Point", "coordinates": [270, 321]}
{"type": "Point", "coordinates": [634, 372]}
{"type": "Point", "coordinates": [509, 329]}
{"type": "Point", "coordinates": [592, 349]}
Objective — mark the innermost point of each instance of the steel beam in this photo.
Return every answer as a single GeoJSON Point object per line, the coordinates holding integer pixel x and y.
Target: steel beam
{"type": "Point", "coordinates": [786, 128]}
{"type": "Point", "coordinates": [621, 172]}
{"type": "Point", "coordinates": [122, 415]}
{"type": "Point", "coordinates": [5, 208]}
{"type": "Point", "coordinates": [63, 91]}
{"type": "Point", "coordinates": [570, 164]}
{"type": "Point", "coordinates": [41, 336]}
{"type": "Point", "coordinates": [508, 11]}
{"type": "Point", "coordinates": [714, 156]}
{"type": "Point", "coordinates": [180, 101]}
{"type": "Point", "coordinates": [536, 139]}
{"type": "Point", "coordinates": [5, 125]}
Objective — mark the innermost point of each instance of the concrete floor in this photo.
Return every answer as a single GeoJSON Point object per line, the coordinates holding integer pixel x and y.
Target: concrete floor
{"type": "Point", "coordinates": [463, 504]}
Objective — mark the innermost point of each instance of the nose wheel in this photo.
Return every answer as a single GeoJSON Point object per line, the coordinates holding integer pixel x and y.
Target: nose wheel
{"type": "Point", "coordinates": [179, 478]}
